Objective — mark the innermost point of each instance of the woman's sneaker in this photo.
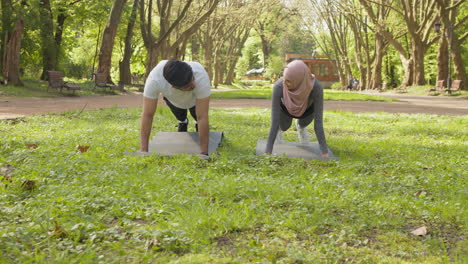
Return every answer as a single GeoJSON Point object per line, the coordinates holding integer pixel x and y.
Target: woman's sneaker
{"type": "Point", "coordinates": [279, 137]}
{"type": "Point", "coordinates": [302, 133]}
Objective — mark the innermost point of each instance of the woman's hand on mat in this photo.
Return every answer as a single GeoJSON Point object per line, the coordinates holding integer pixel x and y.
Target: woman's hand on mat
{"type": "Point", "coordinates": [204, 155]}
{"type": "Point", "coordinates": [325, 155]}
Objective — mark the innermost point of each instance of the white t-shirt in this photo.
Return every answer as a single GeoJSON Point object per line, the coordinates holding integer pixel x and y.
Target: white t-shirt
{"type": "Point", "coordinates": [156, 84]}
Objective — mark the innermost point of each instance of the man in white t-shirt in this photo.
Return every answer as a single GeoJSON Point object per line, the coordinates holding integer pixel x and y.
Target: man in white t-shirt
{"type": "Point", "coordinates": [184, 86]}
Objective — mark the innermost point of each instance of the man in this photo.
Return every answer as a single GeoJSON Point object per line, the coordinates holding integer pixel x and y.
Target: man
{"type": "Point", "coordinates": [183, 85]}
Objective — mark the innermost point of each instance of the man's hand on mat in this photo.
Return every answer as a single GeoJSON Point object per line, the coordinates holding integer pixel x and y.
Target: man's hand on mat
{"type": "Point", "coordinates": [325, 155]}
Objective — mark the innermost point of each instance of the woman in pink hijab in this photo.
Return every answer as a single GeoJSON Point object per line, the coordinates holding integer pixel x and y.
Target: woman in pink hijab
{"type": "Point", "coordinates": [298, 95]}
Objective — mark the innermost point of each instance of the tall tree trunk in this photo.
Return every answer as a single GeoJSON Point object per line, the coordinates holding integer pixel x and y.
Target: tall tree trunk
{"type": "Point", "coordinates": [59, 31]}
{"type": "Point", "coordinates": [442, 59]}
{"type": "Point", "coordinates": [266, 50]}
{"type": "Point", "coordinates": [195, 48]}
{"type": "Point", "coordinates": [7, 25]}
{"type": "Point", "coordinates": [376, 78]}
{"type": "Point", "coordinates": [125, 72]}
{"type": "Point", "coordinates": [11, 56]}
{"type": "Point", "coordinates": [418, 51]}
{"type": "Point", "coordinates": [448, 14]}
{"type": "Point", "coordinates": [408, 69]}
{"type": "Point", "coordinates": [49, 49]}
{"type": "Point", "coordinates": [236, 55]}
{"type": "Point", "coordinates": [208, 56]}
{"type": "Point", "coordinates": [458, 64]}
{"type": "Point", "coordinates": [107, 44]}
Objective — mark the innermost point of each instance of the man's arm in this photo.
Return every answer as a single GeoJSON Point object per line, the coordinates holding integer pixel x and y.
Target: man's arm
{"type": "Point", "coordinates": [149, 108]}
{"type": "Point", "coordinates": [202, 106]}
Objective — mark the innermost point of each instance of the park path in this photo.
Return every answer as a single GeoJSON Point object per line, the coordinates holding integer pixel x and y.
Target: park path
{"type": "Point", "coordinates": [20, 107]}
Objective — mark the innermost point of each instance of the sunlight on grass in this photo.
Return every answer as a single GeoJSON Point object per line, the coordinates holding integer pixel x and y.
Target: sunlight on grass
{"type": "Point", "coordinates": [396, 172]}
{"type": "Point", "coordinates": [328, 95]}
{"type": "Point", "coordinates": [37, 88]}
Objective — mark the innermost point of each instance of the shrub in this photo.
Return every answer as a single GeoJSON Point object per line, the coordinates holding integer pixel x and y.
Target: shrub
{"type": "Point", "coordinates": [336, 86]}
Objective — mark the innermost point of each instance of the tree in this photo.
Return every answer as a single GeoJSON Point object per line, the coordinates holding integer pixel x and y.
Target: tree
{"type": "Point", "coordinates": [338, 28]}
{"type": "Point", "coordinates": [270, 22]}
{"type": "Point", "coordinates": [448, 14]}
{"type": "Point", "coordinates": [11, 37]}
{"type": "Point", "coordinates": [125, 73]}
{"type": "Point", "coordinates": [382, 27]}
{"type": "Point", "coordinates": [49, 48]}
{"type": "Point", "coordinates": [171, 15]}
{"type": "Point", "coordinates": [11, 65]}
{"type": "Point", "coordinates": [107, 43]}
{"type": "Point", "coordinates": [222, 38]}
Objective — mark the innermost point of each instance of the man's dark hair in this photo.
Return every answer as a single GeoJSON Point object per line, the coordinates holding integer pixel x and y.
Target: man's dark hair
{"type": "Point", "coordinates": [177, 73]}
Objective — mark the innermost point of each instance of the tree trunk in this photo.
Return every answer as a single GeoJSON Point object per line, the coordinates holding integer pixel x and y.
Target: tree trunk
{"type": "Point", "coordinates": [236, 55]}
{"type": "Point", "coordinates": [195, 49]}
{"type": "Point", "coordinates": [49, 49]}
{"type": "Point", "coordinates": [107, 44]}
{"type": "Point", "coordinates": [7, 25]}
{"type": "Point", "coordinates": [442, 60]}
{"type": "Point", "coordinates": [59, 32]}
{"type": "Point", "coordinates": [459, 67]}
{"type": "Point", "coordinates": [208, 56]}
{"type": "Point", "coordinates": [448, 14]}
{"type": "Point", "coordinates": [11, 56]}
{"type": "Point", "coordinates": [124, 71]}
{"type": "Point", "coordinates": [266, 50]}
{"type": "Point", "coordinates": [408, 69]}
{"type": "Point", "coordinates": [376, 78]}
{"type": "Point", "coordinates": [418, 51]}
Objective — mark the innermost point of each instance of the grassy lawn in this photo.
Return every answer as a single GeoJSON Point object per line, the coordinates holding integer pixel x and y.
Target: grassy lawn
{"type": "Point", "coordinates": [423, 90]}
{"type": "Point", "coordinates": [328, 95]}
{"type": "Point", "coordinates": [396, 173]}
{"type": "Point", "coordinates": [37, 88]}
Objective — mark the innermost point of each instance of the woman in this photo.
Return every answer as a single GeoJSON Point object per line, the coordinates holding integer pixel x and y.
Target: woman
{"type": "Point", "coordinates": [297, 95]}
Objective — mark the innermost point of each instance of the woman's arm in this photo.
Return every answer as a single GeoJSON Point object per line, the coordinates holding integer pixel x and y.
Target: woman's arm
{"type": "Point", "coordinates": [275, 114]}
{"type": "Point", "coordinates": [318, 116]}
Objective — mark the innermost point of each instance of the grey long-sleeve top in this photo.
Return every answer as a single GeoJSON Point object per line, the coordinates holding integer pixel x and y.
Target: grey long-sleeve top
{"type": "Point", "coordinates": [315, 99]}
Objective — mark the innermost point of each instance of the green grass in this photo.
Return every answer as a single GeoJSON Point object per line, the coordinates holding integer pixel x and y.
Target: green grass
{"type": "Point", "coordinates": [424, 90]}
{"type": "Point", "coordinates": [37, 88]}
{"type": "Point", "coordinates": [396, 172]}
{"type": "Point", "coordinates": [328, 95]}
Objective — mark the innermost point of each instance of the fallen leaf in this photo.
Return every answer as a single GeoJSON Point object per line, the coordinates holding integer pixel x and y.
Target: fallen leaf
{"type": "Point", "coordinates": [7, 170]}
{"type": "Point", "coordinates": [59, 232]}
{"type": "Point", "coordinates": [31, 146]}
{"type": "Point", "coordinates": [82, 149]}
{"type": "Point", "coordinates": [28, 185]}
{"type": "Point", "coordinates": [422, 231]}
{"type": "Point", "coordinates": [421, 193]}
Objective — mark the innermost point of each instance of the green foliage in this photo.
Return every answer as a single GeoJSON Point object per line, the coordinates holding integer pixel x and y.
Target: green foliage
{"type": "Point", "coordinates": [275, 67]}
{"type": "Point", "coordinates": [252, 56]}
{"type": "Point", "coordinates": [102, 206]}
{"type": "Point", "coordinates": [336, 86]}
{"type": "Point", "coordinates": [37, 88]}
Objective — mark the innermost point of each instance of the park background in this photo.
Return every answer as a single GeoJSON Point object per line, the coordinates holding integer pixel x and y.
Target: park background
{"type": "Point", "coordinates": [378, 42]}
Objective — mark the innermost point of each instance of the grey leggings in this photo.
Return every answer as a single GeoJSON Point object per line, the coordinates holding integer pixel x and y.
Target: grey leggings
{"type": "Point", "coordinates": [285, 119]}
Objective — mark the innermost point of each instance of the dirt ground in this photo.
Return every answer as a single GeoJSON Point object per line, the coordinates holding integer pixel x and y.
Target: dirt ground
{"type": "Point", "coordinates": [442, 105]}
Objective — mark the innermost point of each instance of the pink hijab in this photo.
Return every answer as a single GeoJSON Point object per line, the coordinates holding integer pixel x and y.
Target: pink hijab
{"type": "Point", "coordinates": [298, 83]}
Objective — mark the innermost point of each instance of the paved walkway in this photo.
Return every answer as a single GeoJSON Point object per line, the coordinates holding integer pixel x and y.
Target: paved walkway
{"type": "Point", "coordinates": [19, 107]}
